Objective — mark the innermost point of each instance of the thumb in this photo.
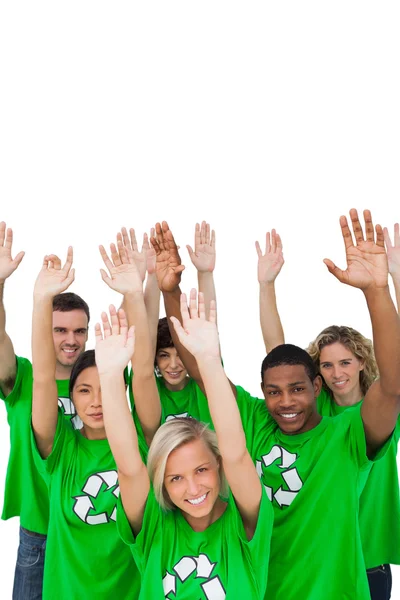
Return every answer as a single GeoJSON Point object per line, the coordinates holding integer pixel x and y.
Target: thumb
{"type": "Point", "coordinates": [191, 253]}
{"type": "Point", "coordinates": [332, 268]}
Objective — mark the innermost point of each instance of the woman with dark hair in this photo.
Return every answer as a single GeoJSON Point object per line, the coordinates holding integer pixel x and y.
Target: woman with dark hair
{"type": "Point", "coordinates": [85, 556]}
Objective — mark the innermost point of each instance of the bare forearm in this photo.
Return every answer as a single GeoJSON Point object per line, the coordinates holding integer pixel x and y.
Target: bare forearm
{"type": "Point", "coordinates": [396, 283]}
{"type": "Point", "coordinates": [152, 302]}
{"type": "Point", "coordinates": [207, 287]}
{"type": "Point", "coordinates": [119, 425]}
{"type": "Point", "coordinates": [386, 338]}
{"type": "Point", "coordinates": [271, 325]}
{"type": "Point", "coordinates": [43, 353]}
{"type": "Point", "coordinates": [224, 411]}
{"type": "Point", "coordinates": [7, 357]}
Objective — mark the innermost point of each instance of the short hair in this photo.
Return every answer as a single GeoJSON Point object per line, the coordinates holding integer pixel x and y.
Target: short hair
{"type": "Point", "coordinates": [288, 354]}
{"type": "Point", "coordinates": [69, 301]}
{"type": "Point", "coordinates": [356, 343]}
{"type": "Point", "coordinates": [84, 361]}
{"type": "Point", "coordinates": [174, 434]}
{"type": "Point", "coordinates": [164, 338]}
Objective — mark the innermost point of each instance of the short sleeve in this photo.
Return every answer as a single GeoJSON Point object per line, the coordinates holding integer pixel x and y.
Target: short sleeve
{"type": "Point", "coordinates": [152, 526]}
{"type": "Point", "coordinates": [355, 436]}
{"type": "Point", "coordinates": [24, 372]}
{"type": "Point", "coordinates": [64, 434]}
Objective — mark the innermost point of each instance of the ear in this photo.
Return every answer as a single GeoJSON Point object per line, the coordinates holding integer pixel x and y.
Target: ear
{"type": "Point", "coordinates": [362, 365]}
{"type": "Point", "coordinates": [262, 386]}
{"type": "Point", "coordinates": [317, 384]}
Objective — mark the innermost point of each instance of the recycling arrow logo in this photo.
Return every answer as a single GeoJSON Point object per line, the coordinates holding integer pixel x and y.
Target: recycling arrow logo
{"type": "Point", "coordinates": [203, 567]}
{"type": "Point", "coordinates": [290, 476]}
{"type": "Point", "coordinates": [84, 503]}
{"type": "Point", "coordinates": [69, 410]}
{"type": "Point", "coordinates": [181, 416]}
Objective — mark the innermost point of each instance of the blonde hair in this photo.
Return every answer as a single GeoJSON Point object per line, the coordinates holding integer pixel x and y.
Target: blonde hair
{"type": "Point", "coordinates": [356, 343]}
{"type": "Point", "coordinates": [174, 434]}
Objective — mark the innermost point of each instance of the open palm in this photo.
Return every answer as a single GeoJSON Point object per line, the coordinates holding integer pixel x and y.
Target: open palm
{"type": "Point", "coordinates": [54, 279]}
{"type": "Point", "coordinates": [168, 261]}
{"type": "Point", "coordinates": [124, 276]}
{"type": "Point", "coordinates": [114, 349]}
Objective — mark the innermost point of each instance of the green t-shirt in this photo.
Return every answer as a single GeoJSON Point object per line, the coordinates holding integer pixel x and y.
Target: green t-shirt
{"type": "Point", "coordinates": [314, 480]}
{"type": "Point", "coordinates": [379, 501]}
{"type": "Point", "coordinates": [25, 493]}
{"type": "Point", "coordinates": [191, 402]}
{"type": "Point", "coordinates": [177, 563]}
{"type": "Point", "coordinates": [85, 557]}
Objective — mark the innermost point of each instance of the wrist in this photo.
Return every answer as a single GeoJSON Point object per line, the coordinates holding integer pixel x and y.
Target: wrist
{"type": "Point", "coordinates": [205, 362]}
{"type": "Point", "coordinates": [373, 292]}
{"type": "Point", "coordinates": [133, 294]}
{"type": "Point", "coordinates": [205, 274]}
{"type": "Point", "coordinates": [42, 298]}
{"type": "Point", "coordinates": [111, 375]}
{"type": "Point", "coordinates": [267, 285]}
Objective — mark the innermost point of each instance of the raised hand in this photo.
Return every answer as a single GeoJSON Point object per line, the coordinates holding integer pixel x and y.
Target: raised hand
{"type": "Point", "coordinates": [367, 264]}
{"type": "Point", "coordinates": [168, 261]}
{"type": "Point", "coordinates": [114, 348]}
{"type": "Point", "coordinates": [7, 263]}
{"type": "Point", "coordinates": [270, 263]}
{"type": "Point", "coordinates": [124, 275]}
{"type": "Point", "coordinates": [130, 242]}
{"type": "Point", "coordinates": [393, 251]}
{"type": "Point", "coordinates": [203, 256]}
{"type": "Point", "coordinates": [198, 335]}
{"type": "Point", "coordinates": [53, 278]}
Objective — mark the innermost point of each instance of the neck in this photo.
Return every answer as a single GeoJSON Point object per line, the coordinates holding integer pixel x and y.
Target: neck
{"type": "Point", "coordinates": [93, 434]}
{"type": "Point", "coordinates": [63, 371]}
{"type": "Point", "coordinates": [178, 387]}
{"type": "Point", "coordinates": [202, 523]}
{"type": "Point", "coordinates": [349, 399]}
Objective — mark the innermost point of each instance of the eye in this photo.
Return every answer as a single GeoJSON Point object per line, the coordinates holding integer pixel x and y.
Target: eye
{"type": "Point", "coordinates": [326, 365]}
{"type": "Point", "coordinates": [81, 331]}
{"type": "Point", "coordinates": [176, 478]}
{"type": "Point", "coordinates": [84, 390]}
{"type": "Point", "coordinates": [298, 389]}
{"type": "Point", "coordinates": [273, 393]}
{"type": "Point", "coordinates": [345, 362]}
{"type": "Point", "coordinates": [59, 329]}
{"type": "Point", "coordinates": [202, 469]}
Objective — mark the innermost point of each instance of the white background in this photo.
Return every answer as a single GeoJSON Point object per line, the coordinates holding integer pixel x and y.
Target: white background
{"type": "Point", "coordinates": [251, 115]}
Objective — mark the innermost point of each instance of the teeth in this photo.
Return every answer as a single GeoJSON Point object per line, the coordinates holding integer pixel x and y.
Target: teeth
{"type": "Point", "coordinates": [339, 382]}
{"type": "Point", "coordinates": [289, 415]}
{"type": "Point", "coordinates": [69, 351]}
{"type": "Point", "coordinates": [198, 500]}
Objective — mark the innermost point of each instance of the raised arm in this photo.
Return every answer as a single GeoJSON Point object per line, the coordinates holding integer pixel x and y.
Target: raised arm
{"type": "Point", "coordinates": [145, 260]}
{"type": "Point", "coordinates": [52, 280]}
{"type": "Point", "coordinates": [269, 267]}
{"type": "Point", "coordinates": [203, 258]}
{"type": "Point", "coordinates": [393, 254]}
{"type": "Point", "coordinates": [113, 352]}
{"type": "Point", "coordinates": [200, 337]}
{"type": "Point", "coordinates": [124, 278]}
{"type": "Point", "coordinates": [7, 267]}
{"type": "Point", "coordinates": [367, 269]}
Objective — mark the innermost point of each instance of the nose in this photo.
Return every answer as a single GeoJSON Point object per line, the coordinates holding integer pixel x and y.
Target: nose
{"type": "Point", "coordinates": [173, 362]}
{"type": "Point", "coordinates": [192, 487]}
{"type": "Point", "coordinates": [70, 339]}
{"type": "Point", "coordinates": [286, 400]}
{"type": "Point", "coordinates": [337, 371]}
{"type": "Point", "coordinates": [96, 403]}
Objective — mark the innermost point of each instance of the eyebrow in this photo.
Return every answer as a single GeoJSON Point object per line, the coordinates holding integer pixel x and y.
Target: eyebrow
{"type": "Point", "coordinates": [278, 387]}
{"type": "Point", "coordinates": [198, 467]}
{"type": "Point", "coordinates": [329, 361]}
{"type": "Point", "coordinates": [85, 384]}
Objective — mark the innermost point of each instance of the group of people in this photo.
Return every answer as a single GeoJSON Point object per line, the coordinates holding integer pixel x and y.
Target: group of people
{"type": "Point", "coordinates": [194, 489]}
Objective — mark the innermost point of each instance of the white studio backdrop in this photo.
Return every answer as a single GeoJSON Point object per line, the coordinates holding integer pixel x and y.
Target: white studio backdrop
{"type": "Point", "coordinates": [249, 115]}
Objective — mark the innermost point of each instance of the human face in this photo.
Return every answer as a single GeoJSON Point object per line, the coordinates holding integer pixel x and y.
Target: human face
{"type": "Point", "coordinates": [86, 397]}
{"type": "Point", "coordinates": [171, 368]}
{"type": "Point", "coordinates": [290, 398]}
{"type": "Point", "coordinates": [192, 480]}
{"type": "Point", "coordinates": [70, 332]}
{"type": "Point", "coordinates": [341, 370]}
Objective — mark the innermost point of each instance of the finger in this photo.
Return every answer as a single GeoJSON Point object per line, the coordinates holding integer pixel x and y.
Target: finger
{"type": "Point", "coordinates": [369, 227]}
{"type": "Point", "coordinates": [387, 239]}
{"type": "Point", "coordinates": [119, 237]}
{"type": "Point", "coordinates": [202, 306]}
{"type": "Point", "coordinates": [68, 263]}
{"type": "Point", "coordinates": [45, 263]}
{"type": "Point", "coordinates": [2, 232]}
{"type": "Point", "coordinates": [125, 237]}
{"type": "Point", "coordinates": [278, 242]}
{"type": "Point", "coordinates": [191, 252]}
{"type": "Point", "coordinates": [97, 333]}
{"type": "Point", "coordinates": [9, 238]}
{"type": "Point", "coordinates": [155, 245]}
{"type": "Point", "coordinates": [133, 239]}
{"type": "Point", "coordinates": [70, 279]}
{"type": "Point", "coordinates": [355, 221]}
{"type": "Point", "coordinates": [106, 259]}
{"type": "Point", "coordinates": [123, 321]}
{"type": "Point", "coordinates": [193, 305]}
{"type": "Point", "coordinates": [159, 237]}
{"type": "Point", "coordinates": [180, 332]}
{"type": "Point", "coordinates": [213, 312]}
{"type": "Point", "coordinates": [145, 245]}
{"type": "Point", "coordinates": [380, 240]}
{"type": "Point", "coordinates": [203, 232]}
{"type": "Point", "coordinates": [106, 325]}
{"type": "Point", "coordinates": [208, 234]}
{"type": "Point", "coordinates": [332, 268]}
{"type": "Point", "coordinates": [396, 235]}
{"type": "Point", "coordinates": [114, 320]}
{"type": "Point", "coordinates": [18, 258]}
{"type": "Point", "coordinates": [152, 232]}
{"type": "Point", "coordinates": [115, 256]}
{"type": "Point", "coordinates": [273, 241]}
{"type": "Point", "coordinates": [179, 269]}
{"type": "Point", "coordinates": [106, 278]}
{"type": "Point", "coordinates": [197, 236]}
{"type": "Point", "coordinates": [123, 254]}
{"type": "Point", "coordinates": [165, 235]}
{"type": "Point", "coordinates": [213, 239]}
{"type": "Point", "coordinates": [346, 233]}
{"type": "Point", "coordinates": [184, 310]}
{"type": "Point", "coordinates": [267, 242]}
{"type": "Point", "coordinates": [259, 252]}
{"type": "Point", "coordinates": [151, 261]}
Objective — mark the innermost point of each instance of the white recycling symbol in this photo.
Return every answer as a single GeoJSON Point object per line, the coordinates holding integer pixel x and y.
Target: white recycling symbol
{"type": "Point", "coordinates": [212, 587]}
{"type": "Point", "coordinates": [69, 409]}
{"type": "Point", "coordinates": [181, 416]}
{"type": "Point", "coordinates": [290, 476]}
{"type": "Point", "coordinates": [83, 504]}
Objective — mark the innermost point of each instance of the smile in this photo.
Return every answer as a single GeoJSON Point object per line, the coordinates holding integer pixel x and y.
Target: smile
{"type": "Point", "coordinates": [196, 501]}
{"type": "Point", "coordinates": [289, 415]}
